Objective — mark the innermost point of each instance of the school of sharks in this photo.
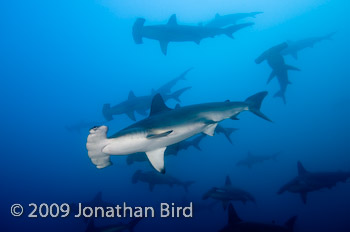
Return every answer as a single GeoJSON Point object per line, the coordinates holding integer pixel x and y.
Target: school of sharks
{"type": "Point", "coordinates": [157, 131]}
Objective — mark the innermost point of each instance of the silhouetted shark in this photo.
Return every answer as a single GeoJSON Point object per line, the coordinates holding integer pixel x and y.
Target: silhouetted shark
{"type": "Point", "coordinates": [235, 224]}
{"type": "Point", "coordinates": [139, 104]}
{"type": "Point", "coordinates": [228, 193]}
{"type": "Point", "coordinates": [155, 178]}
{"type": "Point", "coordinates": [251, 159]}
{"type": "Point", "coordinates": [165, 127]}
{"type": "Point", "coordinates": [142, 104]}
{"type": "Point", "coordinates": [307, 181]}
{"type": "Point", "coordinates": [112, 228]}
{"type": "Point", "coordinates": [279, 67]}
{"type": "Point", "coordinates": [295, 46]}
{"type": "Point", "coordinates": [230, 19]}
{"type": "Point", "coordinates": [173, 32]}
{"type": "Point", "coordinates": [171, 150]}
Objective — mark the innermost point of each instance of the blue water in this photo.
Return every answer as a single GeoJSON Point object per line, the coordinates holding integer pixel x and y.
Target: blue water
{"type": "Point", "coordinates": [60, 61]}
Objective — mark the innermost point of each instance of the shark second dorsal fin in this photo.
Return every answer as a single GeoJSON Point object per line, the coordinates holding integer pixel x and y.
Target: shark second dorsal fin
{"type": "Point", "coordinates": [172, 21]}
{"type": "Point", "coordinates": [131, 95]}
{"type": "Point", "coordinates": [228, 181]}
{"type": "Point", "coordinates": [301, 169]}
{"type": "Point", "coordinates": [158, 105]}
{"type": "Point", "coordinates": [232, 215]}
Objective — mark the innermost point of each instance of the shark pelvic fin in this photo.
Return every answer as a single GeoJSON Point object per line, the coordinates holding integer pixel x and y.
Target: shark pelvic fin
{"type": "Point", "coordinates": [210, 129]}
{"type": "Point", "coordinates": [154, 136]}
{"type": "Point", "coordinates": [158, 105]}
{"type": "Point", "coordinates": [156, 157]}
{"type": "Point", "coordinates": [164, 46]}
{"type": "Point", "coordinates": [172, 20]}
{"type": "Point", "coordinates": [232, 215]}
{"type": "Point", "coordinates": [272, 75]}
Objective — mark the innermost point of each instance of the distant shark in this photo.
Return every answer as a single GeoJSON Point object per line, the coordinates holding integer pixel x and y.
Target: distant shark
{"type": "Point", "coordinates": [165, 127]}
{"type": "Point", "coordinates": [173, 32]}
{"type": "Point", "coordinates": [230, 19]}
{"type": "Point", "coordinates": [279, 67]}
{"type": "Point", "coordinates": [295, 46]}
{"type": "Point", "coordinates": [307, 181]}
{"type": "Point", "coordinates": [228, 193]}
{"type": "Point", "coordinates": [142, 103]}
{"type": "Point", "coordinates": [154, 178]}
{"type": "Point", "coordinates": [251, 159]}
{"type": "Point", "coordinates": [112, 228]}
{"type": "Point", "coordinates": [235, 224]}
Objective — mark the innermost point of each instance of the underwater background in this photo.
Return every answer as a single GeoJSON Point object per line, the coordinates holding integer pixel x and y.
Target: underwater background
{"type": "Point", "coordinates": [62, 60]}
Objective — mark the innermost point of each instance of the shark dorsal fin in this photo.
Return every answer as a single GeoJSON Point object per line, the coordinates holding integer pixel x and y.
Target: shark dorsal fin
{"type": "Point", "coordinates": [177, 106]}
{"type": "Point", "coordinates": [158, 105]}
{"type": "Point", "coordinates": [172, 21]}
{"type": "Point", "coordinates": [217, 15]}
{"type": "Point", "coordinates": [131, 95]}
{"type": "Point", "coordinates": [301, 169]}
{"type": "Point", "coordinates": [228, 181]}
{"type": "Point", "coordinates": [153, 92]}
{"type": "Point", "coordinates": [232, 215]}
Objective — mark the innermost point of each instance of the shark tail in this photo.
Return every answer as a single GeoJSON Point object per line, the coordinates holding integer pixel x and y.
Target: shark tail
{"type": "Point", "coordinates": [188, 184]}
{"type": "Point", "coordinates": [176, 95]}
{"type": "Point", "coordinates": [281, 95]}
{"type": "Point", "coordinates": [133, 223]}
{"type": "Point", "coordinates": [254, 104]}
{"type": "Point", "coordinates": [106, 111]}
{"type": "Point", "coordinates": [232, 29]}
{"type": "Point", "coordinates": [96, 141]}
{"type": "Point", "coordinates": [290, 223]}
{"type": "Point", "coordinates": [137, 30]}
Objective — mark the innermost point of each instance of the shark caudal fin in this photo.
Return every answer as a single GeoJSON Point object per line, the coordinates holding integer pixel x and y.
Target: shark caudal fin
{"type": "Point", "coordinates": [96, 141]}
{"type": "Point", "coordinates": [176, 95]}
{"type": "Point", "coordinates": [232, 29]}
{"type": "Point", "coordinates": [137, 30]}
{"type": "Point", "coordinates": [254, 104]}
{"type": "Point", "coordinates": [290, 223]}
{"type": "Point", "coordinates": [280, 94]}
{"type": "Point", "coordinates": [106, 111]}
{"type": "Point", "coordinates": [133, 223]}
{"type": "Point", "coordinates": [187, 184]}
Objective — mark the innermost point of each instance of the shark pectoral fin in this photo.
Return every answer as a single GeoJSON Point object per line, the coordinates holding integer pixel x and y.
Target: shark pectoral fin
{"type": "Point", "coordinates": [154, 136]}
{"type": "Point", "coordinates": [131, 115]}
{"type": "Point", "coordinates": [290, 67]}
{"type": "Point", "coordinates": [163, 46]}
{"type": "Point", "coordinates": [272, 75]}
{"type": "Point", "coordinates": [232, 216]}
{"type": "Point", "coordinates": [303, 196]}
{"type": "Point", "coordinates": [156, 157]}
{"type": "Point", "coordinates": [210, 129]}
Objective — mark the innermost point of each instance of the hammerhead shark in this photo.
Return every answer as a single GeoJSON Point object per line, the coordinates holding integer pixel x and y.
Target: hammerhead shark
{"type": "Point", "coordinates": [173, 32]}
{"type": "Point", "coordinates": [307, 181]}
{"type": "Point", "coordinates": [230, 19]}
{"type": "Point", "coordinates": [236, 224]}
{"type": "Point", "coordinates": [154, 178]}
{"type": "Point", "coordinates": [279, 67]}
{"type": "Point", "coordinates": [251, 159]}
{"type": "Point", "coordinates": [165, 127]}
{"type": "Point", "coordinates": [295, 46]}
{"type": "Point", "coordinates": [228, 193]}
